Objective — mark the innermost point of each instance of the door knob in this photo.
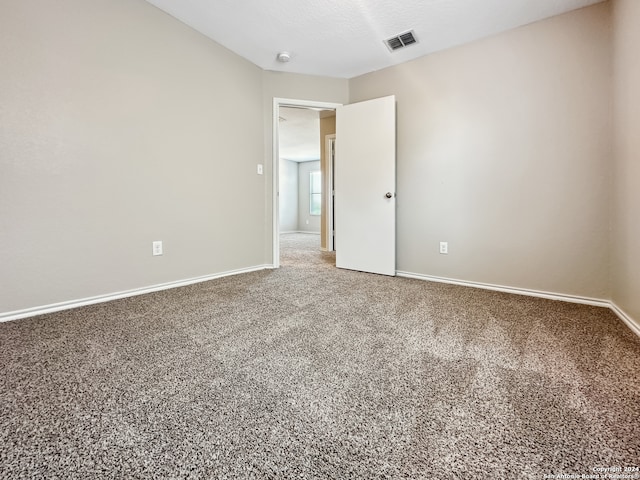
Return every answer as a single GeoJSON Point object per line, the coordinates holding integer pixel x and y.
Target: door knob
{"type": "Point", "coordinates": [389, 195]}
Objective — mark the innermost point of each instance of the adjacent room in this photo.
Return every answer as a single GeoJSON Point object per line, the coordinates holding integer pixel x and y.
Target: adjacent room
{"type": "Point", "coordinates": [319, 240]}
{"type": "Point", "coordinates": [300, 180]}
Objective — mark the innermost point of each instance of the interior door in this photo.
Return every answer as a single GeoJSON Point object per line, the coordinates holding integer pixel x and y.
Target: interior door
{"type": "Point", "coordinates": [365, 182]}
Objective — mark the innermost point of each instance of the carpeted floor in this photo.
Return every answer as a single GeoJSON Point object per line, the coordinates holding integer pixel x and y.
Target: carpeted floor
{"type": "Point", "coordinates": [313, 372]}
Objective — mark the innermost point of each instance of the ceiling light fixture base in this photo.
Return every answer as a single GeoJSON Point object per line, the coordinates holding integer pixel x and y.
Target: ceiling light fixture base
{"type": "Point", "coordinates": [283, 57]}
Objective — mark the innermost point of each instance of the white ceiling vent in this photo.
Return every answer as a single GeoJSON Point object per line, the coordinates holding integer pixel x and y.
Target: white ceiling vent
{"type": "Point", "coordinates": [400, 41]}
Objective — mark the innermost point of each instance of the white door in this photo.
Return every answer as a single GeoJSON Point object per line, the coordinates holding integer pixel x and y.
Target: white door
{"type": "Point", "coordinates": [365, 183]}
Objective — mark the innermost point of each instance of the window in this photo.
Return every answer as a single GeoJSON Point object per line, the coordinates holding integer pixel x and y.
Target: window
{"type": "Point", "coordinates": [315, 200]}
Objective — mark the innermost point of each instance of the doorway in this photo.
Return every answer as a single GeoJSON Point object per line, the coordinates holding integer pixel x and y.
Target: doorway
{"type": "Point", "coordinates": [279, 106]}
{"type": "Point", "coordinates": [365, 178]}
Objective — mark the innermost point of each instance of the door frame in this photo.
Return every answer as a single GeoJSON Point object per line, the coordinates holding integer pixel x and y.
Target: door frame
{"type": "Point", "coordinates": [329, 153]}
{"type": "Point", "coordinates": [275, 158]}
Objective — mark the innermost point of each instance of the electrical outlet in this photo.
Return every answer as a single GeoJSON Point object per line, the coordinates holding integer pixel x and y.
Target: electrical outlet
{"type": "Point", "coordinates": [157, 247]}
{"type": "Point", "coordinates": [444, 248]}
{"type": "Point", "coordinates": [260, 170]}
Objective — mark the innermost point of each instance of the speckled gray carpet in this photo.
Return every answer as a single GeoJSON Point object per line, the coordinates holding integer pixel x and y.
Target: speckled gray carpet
{"type": "Point", "coordinates": [314, 372]}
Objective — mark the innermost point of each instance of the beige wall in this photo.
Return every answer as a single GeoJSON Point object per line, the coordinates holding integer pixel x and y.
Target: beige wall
{"type": "Point", "coordinates": [504, 151]}
{"type": "Point", "coordinates": [327, 127]}
{"type": "Point", "coordinates": [626, 186]}
{"type": "Point", "coordinates": [289, 193]}
{"type": "Point", "coordinates": [297, 87]}
{"type": "Point", "coordinates": [120, 126]}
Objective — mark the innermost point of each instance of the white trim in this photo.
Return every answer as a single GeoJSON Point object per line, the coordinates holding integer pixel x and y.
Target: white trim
{"type": "Point", "coordinates": [275, 157]}
{"type": "Point", "coordinates": [630, 322]}
{"type": "Point", "coordinates": [328, 153]}
{"type": "Point", "coordinates": [598, 302]}
{"type": "Point", "coordinates": [275, 193]}
{"type": "Point", "coordinates": [56, 307]}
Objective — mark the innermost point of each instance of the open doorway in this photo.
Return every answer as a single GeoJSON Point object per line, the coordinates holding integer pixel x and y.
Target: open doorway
{"type": "Point", "coordinates": [302, 179]}
{"type": "Point", "coordinates": [300, 176]}
{"type": "Point", "coordinates": [365, 174]}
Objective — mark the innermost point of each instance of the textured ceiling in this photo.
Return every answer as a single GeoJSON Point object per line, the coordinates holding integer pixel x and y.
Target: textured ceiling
{"type": "Point", "coordinates": [344, 38]}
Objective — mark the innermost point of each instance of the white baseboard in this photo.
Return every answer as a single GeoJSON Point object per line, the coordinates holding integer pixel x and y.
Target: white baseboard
{"type": "Point", "coordinates": [300, 231]}
{"type": "Point", "coordinates": [56, 307]}
{"type": "Point", "coordinates": [598, 302]}
{"type": "Point", "coordinates": [630, 322]}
